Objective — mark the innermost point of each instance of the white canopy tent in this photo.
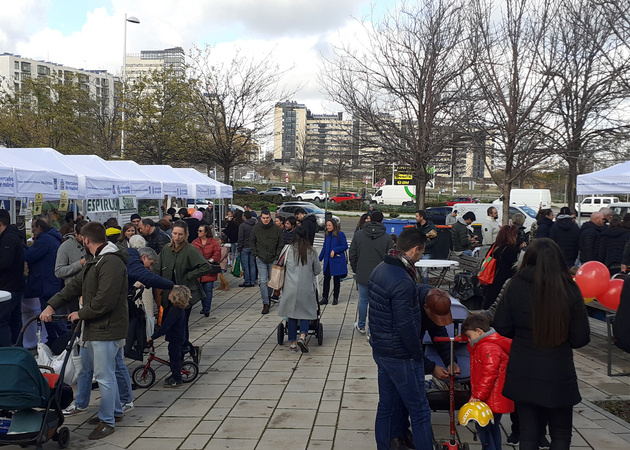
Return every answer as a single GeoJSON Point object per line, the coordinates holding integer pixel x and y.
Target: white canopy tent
{"type": "Point", "coordinates": [143, 185]}
{"type": "Point", "coordinates": [172, 183]}
{"type": "Point", "coordinates": [613, 180]}
{"type": "Point", "coordinates": [202, 186]}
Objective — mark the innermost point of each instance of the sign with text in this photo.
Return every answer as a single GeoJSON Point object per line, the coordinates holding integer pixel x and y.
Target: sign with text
{"type": "Point", "coordinates": [37, 208]}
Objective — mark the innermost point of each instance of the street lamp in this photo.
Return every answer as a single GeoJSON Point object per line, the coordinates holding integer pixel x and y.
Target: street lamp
{"type": "Point", "coordinates": [124, 81]}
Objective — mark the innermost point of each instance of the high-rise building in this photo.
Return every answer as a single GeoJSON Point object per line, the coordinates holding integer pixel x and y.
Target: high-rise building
{"type": "Point", "coordinates": [141, 64]}
{"type": "Point", "coordinates": [15, 70]}
{"type": "Point", "coordinates": [329, 136]}
{"type": "Point", "coordinates": [289, 126]}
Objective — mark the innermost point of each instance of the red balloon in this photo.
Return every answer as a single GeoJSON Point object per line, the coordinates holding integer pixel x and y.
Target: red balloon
{"type": "Point", "coordinates": [191, 211]}
{"type": "Point", "coordinates": [592, 278]}
{"type": "Point", "coordinates": [611, 295]}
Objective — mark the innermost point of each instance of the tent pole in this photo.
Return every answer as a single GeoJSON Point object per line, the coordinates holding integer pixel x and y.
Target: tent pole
{"type": "Point", "coordinates": [12, 210]}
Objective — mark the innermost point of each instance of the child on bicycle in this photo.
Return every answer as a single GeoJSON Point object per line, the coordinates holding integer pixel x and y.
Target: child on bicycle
{"type": "Point", "coordinates": [174, 327]}
{"type": "Point", "coordinates": [489, 354]}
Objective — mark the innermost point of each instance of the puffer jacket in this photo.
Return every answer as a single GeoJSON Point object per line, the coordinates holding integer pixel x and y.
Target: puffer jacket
{"type": "Point", "coordinates": [11, 260]}
{"type": "Point", "coordinates": [544, 227]}
{"type": "Point", "coordinates": [566, 233]}
{"type": "Point", "coordinates": [41, 258]}
{"type": "Point", "coordinates": [589, 241]}
{"type": "Point", "coordinates": [137, 272]}
{"type": "Point", "coordinates": [395, 317]}
{"type": "Point", "coordinates": [211, 250]}
{"type": "Point", "coordinates": [309, 222]}
{"type": "Point", "coordinates": [103, 285]}
{"type": "Point", "coordinates": [460, 235]}
{"type": "Point", "coordinates": [244, 231]}
{"type": "Point", "coordinates": [266, 242]}
{"type": "Point", "coordinates": [612, 241]}
{"type": "Point", "coordinates": [489, 355]}
{"type": "Point", "coordinates": [368, 247]}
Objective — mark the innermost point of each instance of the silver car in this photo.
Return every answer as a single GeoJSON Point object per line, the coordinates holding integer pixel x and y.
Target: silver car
{"type": "Point", "coordinates": [287, 209]}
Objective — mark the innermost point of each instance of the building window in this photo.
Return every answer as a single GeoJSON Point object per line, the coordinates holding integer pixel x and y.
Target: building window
{"type": "Point", "coordinates": [43, 70]}
{"type": "Point", "coordinates": [26, 67]}
{"type": "Point", "coordinates": [16, 65]}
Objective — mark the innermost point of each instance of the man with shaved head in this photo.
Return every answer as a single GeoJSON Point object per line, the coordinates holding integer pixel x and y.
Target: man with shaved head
{"type": "Point", "coordinates": [589, 237]}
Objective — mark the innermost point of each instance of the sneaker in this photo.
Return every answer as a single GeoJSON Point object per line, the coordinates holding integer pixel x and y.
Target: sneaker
{"type": "Point", "coordinates": [359, 329]}
{"type": "Point", "coordinates": [265, 309]}
{"type": "Point", "coordinates": [543, 442]}
{"type": "Point", "coordinates": [513, 439]}
{"type": "Point", "coordinates": [74, 410]}
{"type": "Point", "coordinates": [127, 407]}
{"type": "Point", "coordinates": [196, 354]}
{"type": "Point", "coordinates": [293, 348]}
{"type": "Point", "coordinates": [243, 285]}
{"type": "Point", "coordinates": [102, 430]}
{"type": "Point", "coordinates": [173, 384]}
{"type": "Point", "coordinates": [302, 344]}
{"type": "Point", "coordinates": [95, 420]}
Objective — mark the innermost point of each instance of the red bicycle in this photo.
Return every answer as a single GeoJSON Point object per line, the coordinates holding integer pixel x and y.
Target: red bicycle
{"type": "Point", "coordinates": [144, 376]}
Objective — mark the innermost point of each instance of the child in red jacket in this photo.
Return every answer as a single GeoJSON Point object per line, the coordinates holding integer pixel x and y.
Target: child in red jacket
{"type": "Point", "coordinates": [489, 354]}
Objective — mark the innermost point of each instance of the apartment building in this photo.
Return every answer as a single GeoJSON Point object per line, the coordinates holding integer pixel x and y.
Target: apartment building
{"type": "Point", "coordinates": [289, 123]}
{"type": "Point", "coordinates": [141, 64]}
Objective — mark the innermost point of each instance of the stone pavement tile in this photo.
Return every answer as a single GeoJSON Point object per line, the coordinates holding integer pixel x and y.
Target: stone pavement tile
{"type": "Point", "coordinates": [329, 419]}
{"type": "Point", "coordinates": [363, 440]}
{"type": "Point", "coordinates": [229, 365]}
{"type": "Point", "coordinates": [359, 386]}
{"type": "Point", "coordinates": [329, 406]}
{"type": "Point", "coordinates": [323, 433]}
{"type": "Point", "coordinates": [292, 418]}
{"type": "Point", "coordinates": [332, 394]}
{"type": "Point", "coordinates": [154, 398]}
{"type": "Point", "coordinates": [309, 384]}
{"type": "Point", "coordinates": [335, 384]}
{"type": "Point", "coordinates": [361, 360]}
{"type": "Point", "coordinates": [362, 372]}
{"type": "Point", "coordinates": [235, 390]}
{"type": "Point", "coordinates": [274, 439]}
{"type": "Point", "coordinates": [217, 413]}
{"type": "Point", "coordinates": [589, 412]}
{"type": "Point", "coordinates": [339, 368]}
{"type": "Point", "coordinates": [320, 445]}
{"type": "Point", "coordinates": [221, 377]}
{"type": "Point", "coordinates": [356, 419]}
{"type": "Point", "coordinates": [359, 401]}
{"type": "Point", "coordinates": [582, 422]}
{"type": "Point", "coordinates": [253, 408]}
{"type": "Point", "coordinates": [600, 438]}
{"type": "Point", "coordinates": [301, 400]}
{"type": "Point", "coordinates": [172, 427]}
{"type": "Point", "coordinates": [232, 444]}
{"type": "Point", "coordinates": [207, 427]}
{"type": "Point", "coordinates": [263, 391]}
{"type": "Point", "coordinates": [152, 443]}
{"type": "Point", "coordinates": [195, 441]}
{"type": "Point", "coordinates": [188, 407]}
{"type": "Point", "coordinates": [142, 416]}
{"type": "Point", "coordinates": [307, 371]}
{"type": "Point", "coordinates": [313, 359]}
{"type": "Point", "coordinates": [335, 376]}
{"type": "Point", "coordinates": [207, 391]}
{"type": "Point", "coordinates": [241, 428]}
{"type": "Point", "coordinates": [272, 378]}
{"type": "Point", "coordinates": [284, 365]}
{"type": "Point", "coordinates": [234, 355]}
{"type": "Point", "coordinates": [226, 402]}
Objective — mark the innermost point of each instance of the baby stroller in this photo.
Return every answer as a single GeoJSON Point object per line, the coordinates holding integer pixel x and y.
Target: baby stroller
{"type": "Point", "coordinates": [31, 403]}
{"type": "Point", "coordinates": [315, 328]}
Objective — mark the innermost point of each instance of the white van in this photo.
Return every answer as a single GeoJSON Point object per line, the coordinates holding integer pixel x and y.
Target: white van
{"type": "Point", "coordinates": [481, 212]}
{"type": "Point", "coordinates": [593, 204]}
{"type": "Point", "coordinates": [395, 195]}
{"type": "Point", "coordinates": [534, 198]}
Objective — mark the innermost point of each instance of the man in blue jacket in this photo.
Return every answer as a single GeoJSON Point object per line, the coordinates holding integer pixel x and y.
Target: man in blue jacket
{"type": "Point", "coordinates": [396, 339]}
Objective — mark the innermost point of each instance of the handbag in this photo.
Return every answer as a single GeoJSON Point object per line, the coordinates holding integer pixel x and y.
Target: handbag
{"type": "Point", "coordinates": [488, 269]}
{"type": "Point", "coordinates": [236, 270]}
{"type": "Point", "coordinates": [276, 277]}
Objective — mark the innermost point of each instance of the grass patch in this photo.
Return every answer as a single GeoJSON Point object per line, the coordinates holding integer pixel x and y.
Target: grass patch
{"type": "Point", "coordinates": [619, 408]}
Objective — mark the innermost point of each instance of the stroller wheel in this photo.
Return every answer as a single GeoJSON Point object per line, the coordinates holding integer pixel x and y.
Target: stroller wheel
{"type": "Point", "coordinates": [190, 370]}
{"type": "Point", "coordinates": [320, 334]}
{"type": "Point", "coordinates": [143, 379]}
{"type": "Point", "coordinates": [281, 333]}
{"type": "Point", "coordinates": [63, 437]}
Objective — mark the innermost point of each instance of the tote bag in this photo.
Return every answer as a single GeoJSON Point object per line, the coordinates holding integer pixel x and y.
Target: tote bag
{"type": "Point", "coordinates": [488, 269]}
{"type": "Point", "coordinates": [276, 277]}
{"type": "Point", "coordinates": [236, 271]}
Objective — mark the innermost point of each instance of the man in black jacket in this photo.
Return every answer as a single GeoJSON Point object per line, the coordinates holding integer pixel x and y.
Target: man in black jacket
{"type": "Point", "coordinates": [308, 221]}
{"type": "Point", "coordinates": [589, 237]}
{"type": "Point", "coordinates": [11, 280]}
{"type": "Point", "coordinates": [155, 236]}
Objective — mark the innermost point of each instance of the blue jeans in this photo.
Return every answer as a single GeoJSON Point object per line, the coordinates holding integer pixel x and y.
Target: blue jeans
{"type": "Point", "coordinates": [468, 252]}
{"type": "Point", "coordinates": [103, 355]}
{"type": "Point", "coordinates": [401, 381]}
{"type": "Point", "coordinates": [206, 302]}
{"type": "Point", "coordinates": [425, 270]}
{"type": "Point", "coordinates": [364, 298]}
{"type": "Point", "coordinates": [56, 328]}
{"type": "Point", "coordinates": [123, 380]}
{"type": "Point", "coordinates": [249, 266]}
{"type": "Point", "coordinates": [293, 324]}
{"type": "Point", "coordinates": [10, 319]}
{"type": "Point", "coordinates": [264, 269]}
{"type": "Point", "coordinates": [490, 435]}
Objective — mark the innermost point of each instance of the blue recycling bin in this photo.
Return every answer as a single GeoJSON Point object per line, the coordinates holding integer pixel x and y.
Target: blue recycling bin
{"type": "Point", "coordinates": [395, 226]}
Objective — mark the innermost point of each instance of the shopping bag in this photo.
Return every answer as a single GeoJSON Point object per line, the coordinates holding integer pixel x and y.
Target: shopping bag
{"type": "Point", "coordinates": [73, 368]}
{"type": "Point", "coordinates": [236, 270]}
{"type": "Point", "coordinates": [276, 277]}
{"type": "Point", "coordinates": [488, 269]}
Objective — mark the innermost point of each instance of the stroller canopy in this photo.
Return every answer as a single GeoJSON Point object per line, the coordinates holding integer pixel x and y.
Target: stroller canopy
{"type": "Point", "coordinates": [22, 385]}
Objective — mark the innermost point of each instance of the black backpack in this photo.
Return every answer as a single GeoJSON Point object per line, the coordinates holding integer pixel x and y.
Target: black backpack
{"type": "Point", "coordinates": [467, 290]}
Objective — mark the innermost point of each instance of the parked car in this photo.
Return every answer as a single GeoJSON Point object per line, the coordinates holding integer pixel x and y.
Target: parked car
{"type": "Point", "coordinates": [590, 205]}
{"type": "Point", "coordinates": [316, 195]}
{"type": "Point", "coordinates": [287, 209]}
{"type": "Point", "coordinates": [438, 214]}
{"type": "Point", "coordinates": [246, 190]}
{"type": "Point", "coordinates": [462, 200]}
{"type": "Point", "coordinates": [282, 191]}
{"type": "Point", "coordinates": [198, 201]}
{"type": "Point", "coordinates": [345, 196]}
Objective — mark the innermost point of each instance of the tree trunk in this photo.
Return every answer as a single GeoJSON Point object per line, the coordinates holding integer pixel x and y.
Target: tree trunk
{"type": "Point", "coordinates": [507, 187]}
{"type": "Point", "coordinates": [421, 188]}
{"type": "Point", "coordinates": [571, 182]}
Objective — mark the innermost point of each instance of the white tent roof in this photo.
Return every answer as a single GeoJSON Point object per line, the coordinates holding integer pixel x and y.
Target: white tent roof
{"type": "Point", "coordinates": [202, 186]}
{"type": "Point", "coordinates": [7, 181]}
{"type": "Point", "coordinates": [173, 184]}
{"type": "Point", "coordinates": [37, 173]}
{"type": "Point", "coordinates": [613, 180]}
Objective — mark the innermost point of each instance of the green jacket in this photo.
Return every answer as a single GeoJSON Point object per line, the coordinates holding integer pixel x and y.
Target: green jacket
{"type": "Point", "coordinates": [103, 284]}
{"type": "Point", "coordinates": [185, 267]}
{"type": "Point", "coordinates": [266, 242]}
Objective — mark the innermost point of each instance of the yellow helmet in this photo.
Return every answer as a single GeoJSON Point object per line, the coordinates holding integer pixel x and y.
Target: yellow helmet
{"type": "Point", "coordinates": [477, 411]}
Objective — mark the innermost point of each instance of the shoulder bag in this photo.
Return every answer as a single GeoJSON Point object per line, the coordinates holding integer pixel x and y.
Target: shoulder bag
{"type": "Point", "coordinates": [276, 277]}
{"type": "Point", "coordinates": [488, 269]}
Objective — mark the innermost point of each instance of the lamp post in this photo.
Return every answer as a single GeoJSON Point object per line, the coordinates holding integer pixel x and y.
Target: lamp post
{"type": "Point", "coordinates": [124, 81]}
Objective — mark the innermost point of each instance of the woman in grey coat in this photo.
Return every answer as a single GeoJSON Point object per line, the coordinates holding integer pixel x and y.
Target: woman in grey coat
{"type": "Point", "coordinates": [299, 301]}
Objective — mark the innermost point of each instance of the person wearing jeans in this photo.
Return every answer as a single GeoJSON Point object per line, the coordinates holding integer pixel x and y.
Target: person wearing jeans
{"type": "Point", "coordinates": [266, 243]}
{"type": "Point", "coordinates": [211, 251]}
{"type": "Point", "coordinates": [248, 262]}
{"type": "Point", "coordinates": [102, 354]}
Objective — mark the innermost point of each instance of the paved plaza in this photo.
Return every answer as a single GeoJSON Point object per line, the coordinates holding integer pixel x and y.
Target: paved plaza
{"type": "Point", "coordinates": [254, 394]}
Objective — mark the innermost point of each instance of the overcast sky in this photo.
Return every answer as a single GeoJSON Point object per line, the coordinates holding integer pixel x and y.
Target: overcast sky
{"type": "Point", "coordinates": [89, 33]}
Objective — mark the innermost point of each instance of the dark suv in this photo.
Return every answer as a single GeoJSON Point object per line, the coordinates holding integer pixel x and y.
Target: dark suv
{"type": "Point", "coordinates": [287, 209]}
{"type": "Point", "coordinates": [246, 190]}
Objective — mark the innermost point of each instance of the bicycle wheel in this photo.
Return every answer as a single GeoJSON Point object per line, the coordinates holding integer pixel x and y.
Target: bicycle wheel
{"type": "Point", "coordinates": [142, 378]}
{"type": "Point", "coordinates": [190, 370]}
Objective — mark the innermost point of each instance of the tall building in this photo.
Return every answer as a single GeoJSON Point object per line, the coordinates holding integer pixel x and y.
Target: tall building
{"type": "Point", "coordinates": [141, 64]}
{"type": "Point", "coordinates": [289, 126]}
{"type": "Point", "coordinates": [14, 70]}
{"type": "Point", "coordinates": [329, 136]}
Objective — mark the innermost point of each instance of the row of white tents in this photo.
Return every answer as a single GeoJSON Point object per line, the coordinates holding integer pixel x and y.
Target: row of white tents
{"type": "Point", "coordinates": [25, 172]}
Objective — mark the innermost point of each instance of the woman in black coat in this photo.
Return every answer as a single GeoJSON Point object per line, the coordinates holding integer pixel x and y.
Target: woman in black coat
{"type": "Point", "coordinates": [543, 312]}
{"type": "Point", "coordinates": [612, 241]}
{"type": "Point", "coordinates": [505, 251]}
{"type": "Point", "coordinates": [545, 221]}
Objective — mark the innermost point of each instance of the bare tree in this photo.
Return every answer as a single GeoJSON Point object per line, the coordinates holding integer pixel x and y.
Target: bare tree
{"type": "Point", "coordinates": [590, 68]}
{"type": "Point", "coordinates": [305, 158]}
{"type": "Point", "coordinates": [403, 82]}
{"type": "Point", "coordinates": [338, 164]}
{"type": "Point", "coordinates": [235, 105]}
{"type": "Point", "coordinates": [513, 83]}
